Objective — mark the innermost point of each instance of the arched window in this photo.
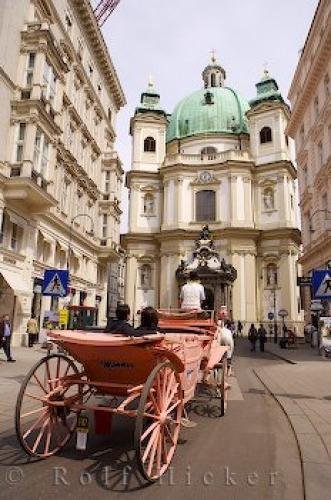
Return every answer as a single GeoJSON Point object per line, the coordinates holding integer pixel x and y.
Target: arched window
{"type": "Point", "coordinates": [213, 80]}
{"type": "Point", "coordinates": [146, 276]}
{"type": "Point", "coordinates": [149, 145]}
{"type": "Point", "coordinates": [271, 275]}
{"type": "Point", "coordinates": [210, 152]}
{"type": "Point", "coordinates": [265, 135]}
{"type": "Point", "coordinates": [205, 206]}
{"type": "Point", "coordinates": [149, 204]}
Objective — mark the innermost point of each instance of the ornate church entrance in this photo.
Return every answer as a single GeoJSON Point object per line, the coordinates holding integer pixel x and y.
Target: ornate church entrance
{"type": "Point", "coordinates": [215, 275]}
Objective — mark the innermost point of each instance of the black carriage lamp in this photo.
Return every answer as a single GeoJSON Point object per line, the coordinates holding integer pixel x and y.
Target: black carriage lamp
{"type": "Point", "coordinates": [311, 229]}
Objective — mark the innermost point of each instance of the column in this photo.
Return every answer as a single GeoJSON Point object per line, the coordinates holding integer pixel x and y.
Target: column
{"type": "Point", "coordinates": [250, 286]}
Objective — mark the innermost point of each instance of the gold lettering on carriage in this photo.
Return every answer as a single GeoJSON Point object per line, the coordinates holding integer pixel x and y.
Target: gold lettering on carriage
{"type": "Point", "coordinates": [107, 363]}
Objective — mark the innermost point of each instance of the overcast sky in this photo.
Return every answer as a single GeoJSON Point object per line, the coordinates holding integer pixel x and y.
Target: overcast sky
{"type": "Point", "coordinates": [172, 40]}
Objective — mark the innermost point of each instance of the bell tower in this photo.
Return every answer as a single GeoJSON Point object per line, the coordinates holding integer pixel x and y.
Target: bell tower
{"type": "Point", "coordinates": [213, 75]}
{"type": "Point", "coordinates": [148, 130]}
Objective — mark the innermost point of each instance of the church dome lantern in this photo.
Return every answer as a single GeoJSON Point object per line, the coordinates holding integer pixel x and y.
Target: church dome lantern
{"type": "Point", "coordinates": [213, 75]}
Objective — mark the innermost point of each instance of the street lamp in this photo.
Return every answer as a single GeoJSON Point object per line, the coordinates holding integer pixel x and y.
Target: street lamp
{"type": "Point", "coordinates": [316, 307]}
{"type": "Point", "coordinates": [283, 313]}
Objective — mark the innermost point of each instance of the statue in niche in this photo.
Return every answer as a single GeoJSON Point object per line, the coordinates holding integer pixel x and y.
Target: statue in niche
{"type": "Point", "coordinates": [149, 204]}
{"type": "Point", "coordinates": [205, 233]}
{"type": "Point", "coordinates": [271, 275]}
{"type": "Point", "coordinates": [268, 199]}
{"type": "Point", "coordinates": [145, 276]}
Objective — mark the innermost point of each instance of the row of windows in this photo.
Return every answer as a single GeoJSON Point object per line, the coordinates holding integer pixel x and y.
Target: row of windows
{"type": "Point", "coordinates": [316, 107]}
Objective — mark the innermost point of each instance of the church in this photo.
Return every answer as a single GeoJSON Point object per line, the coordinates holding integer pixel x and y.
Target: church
{"type": "Point", "coordinates": [212, 188]}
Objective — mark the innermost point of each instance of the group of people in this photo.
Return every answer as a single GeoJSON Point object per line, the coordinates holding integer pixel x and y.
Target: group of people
{"type": "Point", "coordinates": [255, 335]}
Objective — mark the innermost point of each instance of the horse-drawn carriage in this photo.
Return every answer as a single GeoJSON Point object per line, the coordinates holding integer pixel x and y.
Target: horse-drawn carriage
{"type": "Point", "coordinates": [150, 378]}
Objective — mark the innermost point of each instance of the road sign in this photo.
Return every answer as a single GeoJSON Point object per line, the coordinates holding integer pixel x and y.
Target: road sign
{"type": "Point", "coordinates": [56, 282]}
{"type": "Point", "coordinates": [271, 316]}
{"type": "Point", "coordinates": [304, 281]}
{"type": "Point", "coordinates": [322, 284]}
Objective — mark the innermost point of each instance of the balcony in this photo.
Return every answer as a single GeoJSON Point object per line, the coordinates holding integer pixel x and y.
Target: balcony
{"type": "Point", "coordinates": [207, 159]}
{"type": "Point", "coordinates": [28, 193]}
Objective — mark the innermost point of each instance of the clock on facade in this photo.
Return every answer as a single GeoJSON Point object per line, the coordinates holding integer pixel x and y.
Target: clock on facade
{"type": "Point", "coordinates": [205, 176]}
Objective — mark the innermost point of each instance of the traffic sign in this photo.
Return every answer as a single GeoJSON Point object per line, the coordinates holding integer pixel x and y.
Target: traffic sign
{"type": "Point", "coordinates": [304, 281]}
{"type": "Point", "coordinates": [55, 282]}
{"type": "Point", "coordinates": [322, 284]}
{"type": "Point", "coordinates": [271, 316]}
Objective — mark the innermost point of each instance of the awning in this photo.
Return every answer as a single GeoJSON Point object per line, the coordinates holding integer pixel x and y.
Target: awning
{"type": "Point", "coordinates": [16, 282]}
{"type": "Point", "coordinates": [16, 219]}
{"type": "Point", "coordinates": [46, 237]}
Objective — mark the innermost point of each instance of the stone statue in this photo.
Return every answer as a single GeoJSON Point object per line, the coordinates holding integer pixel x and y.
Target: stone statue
{"type": "Point", "coordinates": [205, 233]}
{"type": "Point", "coordinates": [268, 199]}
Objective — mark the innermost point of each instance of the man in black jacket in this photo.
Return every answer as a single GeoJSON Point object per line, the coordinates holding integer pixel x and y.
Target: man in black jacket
{"type": "Point", "coordinates": [120, 324]}
{"type": "Point", "coordinates": [5, 337]}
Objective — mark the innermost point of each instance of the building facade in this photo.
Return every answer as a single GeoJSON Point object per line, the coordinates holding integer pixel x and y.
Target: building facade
{"type": "Point", "coordinates": [224, 164]}
{"type": "Point", "coordinates": [310, 126]}
{"type": "Point", "coordinates": [60, 177]}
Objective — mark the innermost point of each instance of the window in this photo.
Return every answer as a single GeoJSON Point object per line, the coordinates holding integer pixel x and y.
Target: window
{"type": "Point", "coordinates": [146, 276]}
{"type": "Point", "coordinates": [265, 135]}
{"type": "Point", "coordinates": [327, 85]}
{"type": "Point", "coordinates": [90, 68]}
{"type": "Point", "coordinates": [20, 142]}
{"type": "Point", "coordinates": [109, 114]}
{"type": "Point", "coordinates": [68, 23]}
{"type": "Point", "coordinates": [99, 88]}
{"type": "Point", "coordinates": [320, 154]}
{"type": "Point", "coordinates": [316, 106]}
{"type": "Point", "coordinates": [210, 152]}
{"type": "Point", "coordinates": [149, 204]}
{"type": "Point", "coordinates": [107, 181]}
{"type": "Point", "coordinates": [104, 226]}
{"type": "Point", "coordinates": [64, 200]}
{"type": "Point", "coordinates": [14, 236]}
{"type": "Point", "coordinates": [302, 135]}
{"type": "Point", "coordinates": [49, 80]}
{"type": "Point", "coordinates": [31, 57]}
{"type": "Point", "coordinates": [149, 145]}
{"type": "Point", "coordinates": [213, 80]}
{"type": "Point", "coordinates": [41, 153]}
{"type": "Point", "coordinates": [271, 275]}
{"type": "Point", "coordinates": [2, 226]}
{"type": "Point", "coordinates": [205, 205]}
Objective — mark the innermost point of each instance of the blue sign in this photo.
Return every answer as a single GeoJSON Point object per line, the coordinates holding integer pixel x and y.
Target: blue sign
{"type": "Point", "coordinates": [270, 316]}
{"type": "Point", "coordinates": [321, 282]}
{"type": "Point", "coordinates": [56, 282]}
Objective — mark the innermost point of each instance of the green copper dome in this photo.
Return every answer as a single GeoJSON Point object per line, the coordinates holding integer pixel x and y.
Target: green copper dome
{"type": "Point", "coordinates": [210, 110]}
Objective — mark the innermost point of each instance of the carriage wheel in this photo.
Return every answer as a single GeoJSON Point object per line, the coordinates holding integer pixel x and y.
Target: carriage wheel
{"type": "Point", "coordinates": [223, 385]}
{"type": "Point", "coordinates": [158, 421]}
{"type": "Point", "coordinates": [42, 428]}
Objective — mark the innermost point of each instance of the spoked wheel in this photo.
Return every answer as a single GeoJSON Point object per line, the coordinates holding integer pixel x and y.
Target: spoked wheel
{"type": "Point", "coordinates": [158, 421]}
{"type": "Point", "coordinates": [44, 419]}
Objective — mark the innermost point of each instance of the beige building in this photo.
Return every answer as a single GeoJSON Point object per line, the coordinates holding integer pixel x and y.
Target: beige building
{"type": "Point", "coordinates": [310, 126]}
{"type": "Point", "coordinates": [60, 178]}
{"type": "Point", "coordinates": [221, 162]}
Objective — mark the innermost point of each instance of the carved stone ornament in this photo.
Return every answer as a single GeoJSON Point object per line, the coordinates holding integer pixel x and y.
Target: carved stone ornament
{"type": "Point", "coordinates": [206, 261]}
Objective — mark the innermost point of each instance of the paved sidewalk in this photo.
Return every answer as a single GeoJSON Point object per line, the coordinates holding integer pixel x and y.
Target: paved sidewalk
{"type": "Point", "coordinates": [11, 377]}
{"type": "Point", "coordinates": [304, 392]}
{"type": "Point", "coordinates": [293, 355]}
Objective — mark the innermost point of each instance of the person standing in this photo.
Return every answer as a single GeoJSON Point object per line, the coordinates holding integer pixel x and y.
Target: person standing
{"type": "Point", "coordinates": [262, 336]}
{"type": "Point", "coordinates": [5, 336]}
{"type": "Point", "coordinates": [32, 330]}
{"type": "Point", "coordinates": [252, 336]}
{"type": "Point", "coordinates": [239, 328]}
{"type": "Point", "coordinates": [192, 293]}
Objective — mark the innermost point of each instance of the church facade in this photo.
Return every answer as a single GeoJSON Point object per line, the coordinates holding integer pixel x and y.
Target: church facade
{"type": "Point", "coordinates": [222, 164]}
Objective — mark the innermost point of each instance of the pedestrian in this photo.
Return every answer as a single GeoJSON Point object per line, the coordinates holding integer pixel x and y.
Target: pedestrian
{"type": "Point", "coordinates": [192, 293]}
{"type": "Point", "coordinates": [252, 336]}
{"type": "Point", "coordinates": [32, 330]}
{"type": "Point", "coordinates": [120, 324]}
{"type": "Point", "coordinates": [239, 328]}
{"type": "Point", "coordinates": [5, 337]}
{"type": "Point", "coordinates": [262, 336]}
